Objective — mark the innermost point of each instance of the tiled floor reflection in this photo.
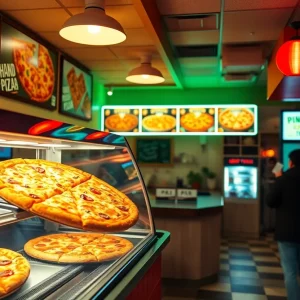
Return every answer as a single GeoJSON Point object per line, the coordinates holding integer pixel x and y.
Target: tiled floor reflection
{"type": "Point", "coordinates": [249, 270]}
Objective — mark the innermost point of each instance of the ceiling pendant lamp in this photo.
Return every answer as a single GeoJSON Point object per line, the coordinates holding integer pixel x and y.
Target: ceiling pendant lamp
{"type": "Point", "coordinates": [145, 73]}
{"type": "Point", "coordinates": [93, 26]}
{"type": "Point", "coordinates": [288, 55]}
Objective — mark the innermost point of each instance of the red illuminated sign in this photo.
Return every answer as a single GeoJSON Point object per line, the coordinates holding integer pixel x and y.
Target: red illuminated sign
{"type": "Point", "coordinates": [241, 161]}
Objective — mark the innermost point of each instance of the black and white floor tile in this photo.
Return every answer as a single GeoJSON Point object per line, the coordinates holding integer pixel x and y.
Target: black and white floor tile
{"type": "Point", "coordinates": [249, 270]}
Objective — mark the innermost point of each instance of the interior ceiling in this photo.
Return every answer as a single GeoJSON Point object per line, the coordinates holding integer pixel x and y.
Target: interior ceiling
{"type": "Point", "coordinates": [193, 43]}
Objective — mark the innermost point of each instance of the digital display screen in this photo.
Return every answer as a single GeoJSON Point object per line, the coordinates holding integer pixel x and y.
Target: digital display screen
{"type": "Point", "coordinates": [290, 125]}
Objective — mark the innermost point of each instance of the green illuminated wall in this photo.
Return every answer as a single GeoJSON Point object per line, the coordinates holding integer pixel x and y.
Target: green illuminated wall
{"type": "Point", "coordinates": [243, 95]}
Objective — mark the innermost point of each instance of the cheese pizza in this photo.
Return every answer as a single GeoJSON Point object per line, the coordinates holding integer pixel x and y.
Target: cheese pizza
{"type": "Point", "coordinates": [159, 123]}
{"type": "Point", "coordinates": [14, 271]}
{"type": "Point", "coordinates": [38, 79]}
{"type": "Point", "coordinates": [197, 122]}
{"type": "Point", "coordinates": [122, 124]}
{"type": "Point", "coordinates": [77, 247]}
{"type": "Point", "coordinates": [236, 119]}
{"type": "Point", "coordinates": [65, 195]}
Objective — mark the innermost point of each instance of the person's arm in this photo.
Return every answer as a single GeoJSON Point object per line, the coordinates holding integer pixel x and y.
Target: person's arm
{"type": "Point", "coordinates": [274, 197]}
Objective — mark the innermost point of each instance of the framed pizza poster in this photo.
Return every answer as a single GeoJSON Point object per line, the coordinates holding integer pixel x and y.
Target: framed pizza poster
{"type": "Point", "coordinates": [197, 119]}
{"type": "Point", "coordinates": [76, 90]}
{"type": "Point", "coordinates": [28, 69]}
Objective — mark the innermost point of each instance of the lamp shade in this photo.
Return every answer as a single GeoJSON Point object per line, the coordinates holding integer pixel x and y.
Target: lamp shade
{"type": "Point", "coordinates": [145, 74]}
{"type": "Point", "coordinates": [288, 58]}
{"type": "Point", "coordinates": [93, 27]}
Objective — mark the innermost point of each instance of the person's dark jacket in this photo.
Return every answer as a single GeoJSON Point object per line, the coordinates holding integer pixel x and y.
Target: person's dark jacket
{"type": "Point", "coordinates": [285, 197]}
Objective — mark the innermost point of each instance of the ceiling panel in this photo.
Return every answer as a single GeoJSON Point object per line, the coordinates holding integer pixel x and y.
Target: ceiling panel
{"type": "Point", "coordinates": [80, 3]}
{"type": "Point", "coordinates": [251, 26]}
{"type": "Point", "coordinates": [189, 38]}
{"type": "Point", "coordinates": [41, 19]}
{"type": "Point", "coordinates": [108, 65]}
{"type": "Point", "coordinates": [126, 15]}
{"type": "Point", "coordinates": [198, 62]}
{"type": "Point", "coordinates": [234, 5]}
{"type": "Point", "coordinates": [133, 52]}
{"type": "Point", "coordinates": [27, 4]}
{"type": "Point", "coordinates": [172, 7]}
{"type": "Point", "coordinates": [90, 53]}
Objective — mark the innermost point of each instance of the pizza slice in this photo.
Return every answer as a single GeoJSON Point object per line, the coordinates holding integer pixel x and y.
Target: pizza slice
{"type": "Point", "coordinates": [50, 247]}
{"type": "Point", "coordinates": [85, 239]}
{"type": "Point", "coordinates": [63, 175]}
{"type": "Point", "coordinates": [79, 255]}
{"type": "Point", "coordinates": [60, 208]}
{"type": "Point", "coordinates": [103, 207]}
{"type": "Point", "coordinates": [14, 271]}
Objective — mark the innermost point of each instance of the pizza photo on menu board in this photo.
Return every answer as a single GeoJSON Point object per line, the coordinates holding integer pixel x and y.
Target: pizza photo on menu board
{"type": "Point", "coordinates": [76, 91]}
{"type": "Point", "coordinates": [158, 120]}
{"type": "Point", "coordinates": [28, 69]}
{"type": "Point", "coordinates": [66, 195]}
{"type": "Point", "coordinates": [198, 119]}
{"type": "Point", "coordinates": [236, 119]}
{"type": "Point", "coordinates": [121, 120]}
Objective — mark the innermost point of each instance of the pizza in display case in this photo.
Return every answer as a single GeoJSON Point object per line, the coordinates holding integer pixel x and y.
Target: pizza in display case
{"type": "Point", "coordinates": [74, 209]}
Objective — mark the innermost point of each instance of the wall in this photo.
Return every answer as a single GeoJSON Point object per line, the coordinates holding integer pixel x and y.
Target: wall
{"type": "Point", "coordinates": [210, 155]}
{"type": "Point", "coordinates": [21, 107]}
{"type": "Point", "coordinates": [243, 95]}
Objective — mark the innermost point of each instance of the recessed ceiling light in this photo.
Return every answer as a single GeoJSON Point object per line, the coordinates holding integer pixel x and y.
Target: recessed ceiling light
{"type": "Point", "coordinates": [145, 73]}
{"type": "Point", "coordinates": [93, 26]}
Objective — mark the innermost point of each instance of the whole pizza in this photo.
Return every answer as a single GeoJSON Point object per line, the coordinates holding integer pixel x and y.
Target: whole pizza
{"type": "Point", "coordinates": [197, 122]}
{"type": "Point", "coordinates": [65, 195]}
{"type": "Point", "coordinates": [14, 271]}
{"type": "Point", "coordinates": [236, 119]}
{"type": "Point", "coordinates": [37, 80]}
{"type": "Point", "coordinates": [117, 123]}
{"type": "Point", "coordinates": [77, 247]}
{"type": "Point", "coordinates": [159, 123]}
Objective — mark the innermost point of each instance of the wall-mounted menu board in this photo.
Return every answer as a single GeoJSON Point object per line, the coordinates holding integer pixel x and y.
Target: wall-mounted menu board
{"type": "Point", "coordinates": [180, 120]}
{"type": "Point", "coordinates": [290, 121]}
{"type": "Point", "coordinates": [76, 91]}
{"type": "Point", "coordinates": [28, 69]}
{"type": "Point", "coordinates": [151, 151]}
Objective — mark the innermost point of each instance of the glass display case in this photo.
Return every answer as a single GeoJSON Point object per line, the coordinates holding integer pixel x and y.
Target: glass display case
{"type": "Point", "coordinates": [101, 154]}
{"type": "Point", "coordinates": [240, 178]}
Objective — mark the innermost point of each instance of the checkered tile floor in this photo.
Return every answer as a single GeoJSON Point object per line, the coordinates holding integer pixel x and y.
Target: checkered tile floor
{"type": "Point", "coordinates": [249, 270]}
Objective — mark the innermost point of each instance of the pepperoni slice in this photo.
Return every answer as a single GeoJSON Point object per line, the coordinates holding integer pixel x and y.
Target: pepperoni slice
{"type": "Point", "coordinates": [122, 207]}
{"type": "Point", "coordinates": [13, 181]}
{"type": "Point", "coordinates": [46, 240]}
{"type": "Point", "coordinates": [40, 170]}
{"type": "Point", "coordinates": [104, 216]}
{"type": "Point", "coordinates": [5, 262]}
{"type": "Point", "coordinates": [95, 191]}
{"type": "Point", "coordinates": [34, 196]}
{"type": "Point", "coordinates": [59, 185]}
{"type": "Point", "coordinates": [7, 273]}
{"type": "Point", "coordinates": [40, 245]}
{"type": "Point", "coordinates": [86, 197]}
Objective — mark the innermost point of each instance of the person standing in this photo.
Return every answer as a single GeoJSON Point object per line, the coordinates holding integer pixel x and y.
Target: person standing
{"type": "Point", "coordinates": [285, 198]}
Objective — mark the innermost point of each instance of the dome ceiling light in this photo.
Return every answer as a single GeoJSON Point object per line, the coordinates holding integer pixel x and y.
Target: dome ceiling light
{"type": "Point", "coordinates": [93, 26]}
{"type": "Point", "coordinates": [288, 55]}
{"type": "Point", "coordinates": [145, 73]}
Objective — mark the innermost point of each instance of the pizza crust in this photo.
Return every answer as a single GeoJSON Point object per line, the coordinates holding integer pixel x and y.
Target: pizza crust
{"type": "Point", "coordinates": [56, 214]}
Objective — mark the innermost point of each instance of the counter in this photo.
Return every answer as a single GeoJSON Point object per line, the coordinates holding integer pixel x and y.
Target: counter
{"type": "Point", "coordinates": [195, 227]}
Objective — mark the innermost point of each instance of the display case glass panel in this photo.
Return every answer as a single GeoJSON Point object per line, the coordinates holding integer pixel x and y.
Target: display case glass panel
{"type": "Point", "coordinates": [103, 155]}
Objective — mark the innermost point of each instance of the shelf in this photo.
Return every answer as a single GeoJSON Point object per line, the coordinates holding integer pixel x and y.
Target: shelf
{"type": "Point", "coordinates": [22, 215]}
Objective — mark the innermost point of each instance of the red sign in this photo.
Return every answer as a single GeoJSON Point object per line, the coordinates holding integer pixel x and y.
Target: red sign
{"type": "Point", "coordinates": [241, 161]}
